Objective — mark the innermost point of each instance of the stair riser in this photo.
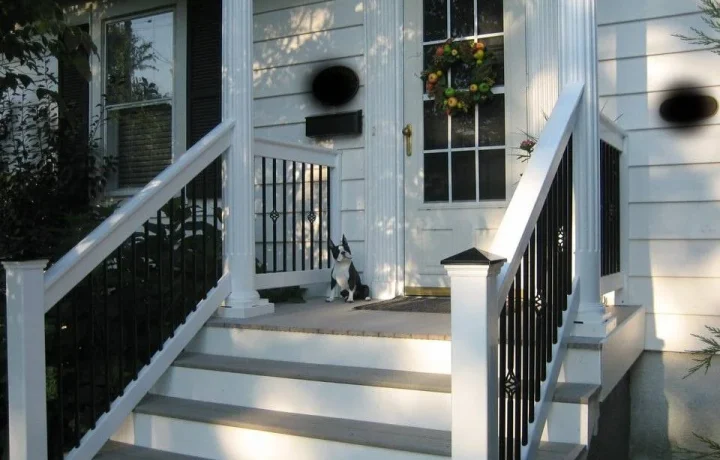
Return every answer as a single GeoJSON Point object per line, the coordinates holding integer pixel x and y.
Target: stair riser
{"type": "Point", "coordinates": [423, 409]}
{"type": "Point", "coordinates": [581, 366]}
{"type": "Point", "coordinates": [570, 423]}
{"type": "Point", "coordinates": [358, 351]}
{"type": "Point", "coordinates": [229, 443]}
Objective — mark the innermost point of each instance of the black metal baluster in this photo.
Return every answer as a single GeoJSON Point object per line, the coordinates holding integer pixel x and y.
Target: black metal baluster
{"type": "Point", "coordinates": [205, 226]}
{"type": "Point", "coordinates": [216, 229]}
{"type": "Point", "coordinates": [193, 299]}
{"type": "Point", "coordinates": [264, 215]}
{"type": "Point", "coordinates": [311, 216]}
{"type": "Point", "coordinates": [525, 268]}
{"type": "Point", "coordinates": [542, 270]}
{"type": "Point", "coordinates": [76, 371]}
{"type": "Point", "coordinates": [60, 376]}
{"type": "Point", "coordinates": [501, 381]}
{"type": "Point", "coordinates": [510, 375]}
{"type": "Point", "coordinates": [158, 266]}
{"type": "Point", "coordinates": [557, 287]}
{"type": "Point", "coordinates": [274, 214]}
{"type": "Point", "coordinates": [550, 248]}
{"type": "Point", "coordinates": [517, 433]}
{"type": "Point", "coordinates": [148, 342]}
{"type": "Point", "coordinates": [183, 270]}
{"type": "Point", "coordinates": [93, 407]}
{"type": "Point", "coordinates": [569, 198]}
{"type": "Point", "coordinates": [294, 217]}
{"type": "Point", "coordinates": [133, 282]}
{"type": "Point", "coordinates": [532, 320]}
{"type": "Point", "coordinates": [604, 209]}
{"type": "Point", "coordinates": [121, 315]}
{"type": "Point", "coordinates": [302, 214]}
{"type": "Point", "coordinates": [562, 214]}
{"type": "Point", "coordinates": [320, 220]}
{"type": "Point", "coordinates": [106, 304]}
{"type": "Point", "coordinates": [284, 214]}
{"type": "Point", "coordinates": [171, 249]}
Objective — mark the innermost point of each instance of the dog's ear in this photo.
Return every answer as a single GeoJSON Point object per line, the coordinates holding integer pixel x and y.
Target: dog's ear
{"type": "Point", "coordinates": [344, 240]}
{"type": "Point", "coordinates": [330, 243]}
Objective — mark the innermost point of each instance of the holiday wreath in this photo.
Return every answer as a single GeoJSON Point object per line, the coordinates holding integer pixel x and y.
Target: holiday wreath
{"type": "Point", "coordinates": [460, 56]}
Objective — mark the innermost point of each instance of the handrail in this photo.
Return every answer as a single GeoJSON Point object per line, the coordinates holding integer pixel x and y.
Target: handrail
{"type": "Point", "coordinates": [295, 152]}
{"type": "Point", "coordinates": [611, 132]}
{"type": "Point", "coordinates": [77, 263]}
{"type": "Point", "coordinates": [520, 218]}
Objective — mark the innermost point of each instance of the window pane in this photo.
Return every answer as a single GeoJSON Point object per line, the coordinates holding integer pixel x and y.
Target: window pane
{"type": "Point", "coordinates": [436, 177]}
{"type": "Point", "coordinates": [497, 46]}
{"type": "Point", "coordinates": [461, 18]}
{"type": "Point", "coordinates": [463, 176]}
{"type": "Point", "coordinates": [436, 127]}
{"type": "Point", "coordinates": [140, 59]}
{"type": "Point", "coordinates": [435, 20]}
{"type": "Point", "coordinates": [491, 122]}
{"type": "Point", "coordinates": [141, 137]}
{"type": "Point", "coordinates": [463, 129]}
{"type": "Point", "coordinates": [491, 174]}
{"type": "Point", "coordinates": [461, 74]}
{"type": "Point", "coordinates": [489, 16]}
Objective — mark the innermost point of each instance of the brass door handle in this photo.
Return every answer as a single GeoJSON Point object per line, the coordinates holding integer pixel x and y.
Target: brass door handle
{"type": "Point", "coordinates": [407, 132]}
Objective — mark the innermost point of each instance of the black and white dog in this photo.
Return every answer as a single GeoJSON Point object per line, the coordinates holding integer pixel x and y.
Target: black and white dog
{"type": "Point", "coordinates": [344, 275]}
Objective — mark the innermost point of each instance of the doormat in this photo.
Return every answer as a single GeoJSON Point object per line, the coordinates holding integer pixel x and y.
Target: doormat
{"type": "Point", "coordinates": [411, 304]}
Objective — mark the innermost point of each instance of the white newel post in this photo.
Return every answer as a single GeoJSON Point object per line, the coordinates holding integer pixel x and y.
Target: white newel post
{"type": "Point", "coordinates": [578, 63]}
{"type": "Point", "coordinates": [26, 359]}
{"type": "Point", "coordinates": [474, 328]}
{"type": "Point", "coordinates": [238, 194]}
{"type": "Point", "coordinates": [383, 145]}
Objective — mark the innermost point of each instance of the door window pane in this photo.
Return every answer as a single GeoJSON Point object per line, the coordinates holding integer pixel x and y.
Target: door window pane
{"type": "Point", "coordinates": [436, 127]}
{"type": "Point", "coordinates": [489, 16]}
{"type": "Point", "coordinates": [491, 122]}
{"type": "Point", "coordinates": [491, 174]}
{"type": "Point", "coordinates": [463, 129]}
{"type": "Point", "coordinates": [496, 45]}
{"type": "Point", "coordinates": [462, 21]}
{"type": "Point", "coordinates": [434, 20]}
{"type": "Point", "coordinates": [463, 176]}
{"type": "Point", "coordinates": [436, 177]}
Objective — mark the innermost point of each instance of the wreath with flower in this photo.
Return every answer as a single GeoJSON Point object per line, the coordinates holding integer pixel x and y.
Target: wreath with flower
{"type": "Point", "coordinates": [454, 55]}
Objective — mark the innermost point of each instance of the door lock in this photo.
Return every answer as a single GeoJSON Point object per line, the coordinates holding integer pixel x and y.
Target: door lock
{"type": "Point", "coordinates": [407, 132]}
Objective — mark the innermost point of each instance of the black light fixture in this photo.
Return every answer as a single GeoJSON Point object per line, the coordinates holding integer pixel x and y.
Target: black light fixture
{"type": "Point", "coordinates": [335, 85]}
{"type": "Point", "coordinates": [687, 106]}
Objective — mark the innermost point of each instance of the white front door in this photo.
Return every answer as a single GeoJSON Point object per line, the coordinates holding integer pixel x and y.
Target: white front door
{"type": "Point", "coordinates": [460, 170]}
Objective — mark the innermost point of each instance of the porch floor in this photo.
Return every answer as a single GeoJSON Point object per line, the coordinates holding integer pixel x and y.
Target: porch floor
{"type": "Point", "coordinates": [319, 317]}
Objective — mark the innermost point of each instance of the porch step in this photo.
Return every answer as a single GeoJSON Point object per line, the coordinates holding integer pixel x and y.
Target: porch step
{"type": "Point", "coordinates": [572, 417]}
{"type": "Point", "coordinates": [224, 431]}
{"type": "Point", "coordinates": [414, 399]}
{"type": "Point", "coordinates": [227, 431]}
{"type": "Point", "coordinates": [113, 450]}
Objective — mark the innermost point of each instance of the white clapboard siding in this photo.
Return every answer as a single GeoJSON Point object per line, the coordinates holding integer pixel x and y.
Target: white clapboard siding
{"type": "Point", "coordinates": [642, 111]}
{"type": "Point", "coordinates": [299, 49]}
{"type": "Point", "coordinates": [296, 133]}
{"type": "Point", "coordinates": [676, 295]}
{"type": "Point", "coordinates": [263, 6]}
{"type": "Point", "coordinates": [674, 147]}
{"type": "Point", "coordinates": [612, 11]}
{"type": "Point", "coordinates": [641, 38]}
{"type": "Point", "coordinates": [294, 109]}
{"type": "Point", "coordinates": [695, 182]}
{"type": "Point", "coordinates": [306, 19]}
{"type": "Point", "coordinates": [675, 333]}
{"type": "Point", "coordinates": [682, 220]}
{"type": "Point", "coordinates": [658, 73]}
{"type": "Point", "coordinates": [675, 258]}
{"type": "Point", "coordinates": [281, 81]}
{"type": "Point", "coordinates": [353, 195]}
{"type": "Point", "coordinates": [353, 164]}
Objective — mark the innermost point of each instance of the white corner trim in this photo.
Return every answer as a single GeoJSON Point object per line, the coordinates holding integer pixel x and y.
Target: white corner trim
{"type": "Point", "coordinates": [67, 272]}
{"type": "Point", "coordinates": [111, 421]}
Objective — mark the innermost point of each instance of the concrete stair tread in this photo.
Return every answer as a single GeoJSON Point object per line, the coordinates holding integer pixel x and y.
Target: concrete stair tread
{"type": "Point", "coordinates": [395, 437]}
{"type": "Point", "coordinates": [406, 380]}
{"type": "Point", "coordinates": [560, 451]}
{"type": "Point", "coordinates": [575, 393]}
{"type": "Point", "coordinates": [113, 450]}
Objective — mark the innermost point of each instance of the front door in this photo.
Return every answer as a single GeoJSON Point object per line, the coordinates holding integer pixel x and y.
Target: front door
{"type": "Point", "coordinates": [460, 169]}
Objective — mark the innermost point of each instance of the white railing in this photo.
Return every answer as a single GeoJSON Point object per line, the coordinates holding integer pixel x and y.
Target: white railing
{"type": "Point", "coordinates": [480, 283]}
{"type": "Point", "coordinates": [296, 260]}
{"type": "Point", "coordinates": [32, 292]}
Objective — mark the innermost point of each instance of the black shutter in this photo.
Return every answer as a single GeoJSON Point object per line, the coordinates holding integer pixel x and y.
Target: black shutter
{"type": "Point", "coordinates": [74, 90]}
{"type": "Point", "coordinates": [204, 88]}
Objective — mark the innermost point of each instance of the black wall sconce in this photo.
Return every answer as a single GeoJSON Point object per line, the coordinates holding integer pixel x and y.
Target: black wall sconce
{"type": "Point", "coordinates": [335, 86]}
{"type": "Point", "coordinates": [685, 106]}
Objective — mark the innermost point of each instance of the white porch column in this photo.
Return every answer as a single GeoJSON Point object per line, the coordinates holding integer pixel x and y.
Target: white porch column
{"type": "Point", "coordinates": [238, 193]}
{"type": "Point", "coordinates": [383, 146]}
{"type": "Point", "coordinates": [474, 327]}
{"type": "Point", "coordinates": [542, 62]}
{"type": "Point", "coordinates": [578, 62]}
{"type": "Point", "coordinates": [26, 359]}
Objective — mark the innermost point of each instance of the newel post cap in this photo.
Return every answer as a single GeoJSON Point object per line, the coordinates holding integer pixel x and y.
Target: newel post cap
{"type": "Point", "coordinates": [39, 264]}
{"type": "Point", "coordinates": [474, 256]}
